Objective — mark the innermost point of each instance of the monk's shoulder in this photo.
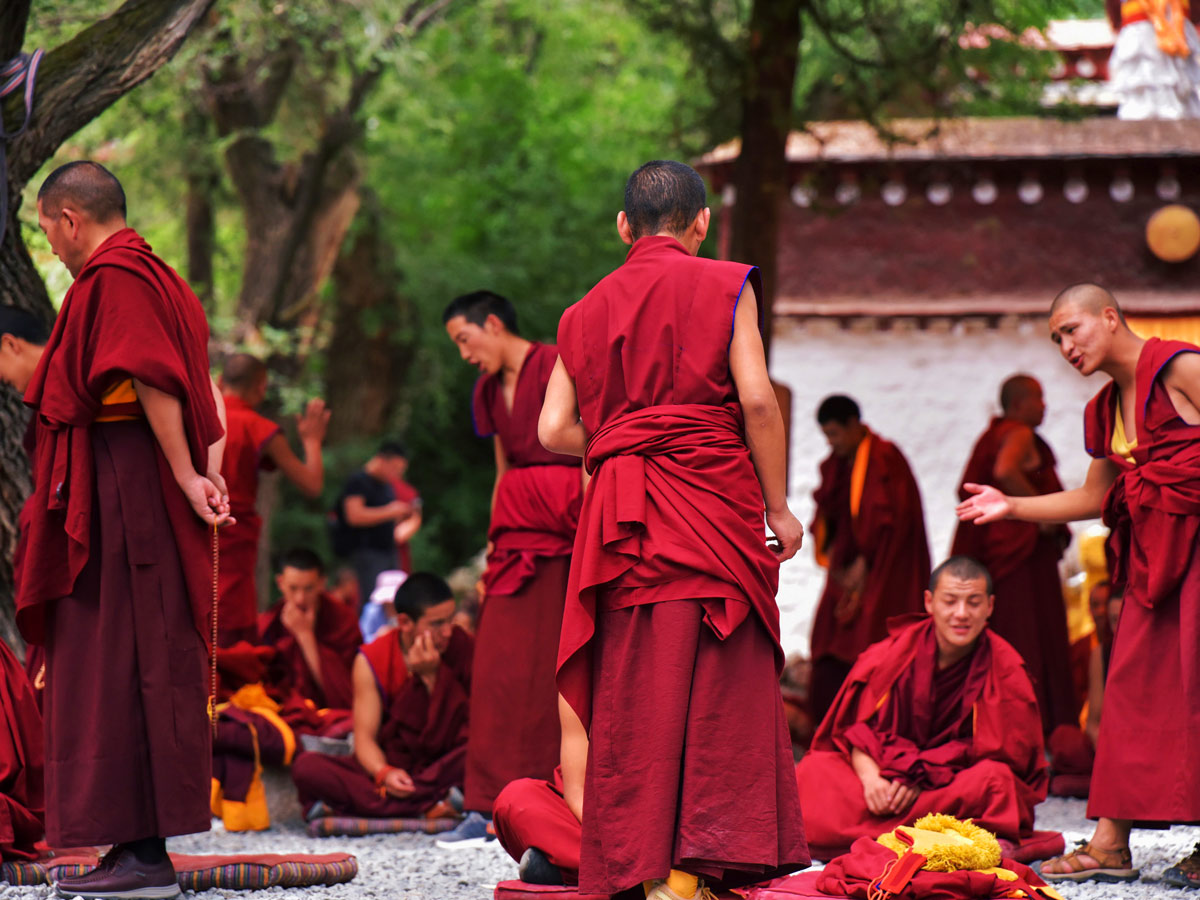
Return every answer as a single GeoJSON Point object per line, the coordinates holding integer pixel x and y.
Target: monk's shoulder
{"type": "Point", "coordinates": [1007, 664]}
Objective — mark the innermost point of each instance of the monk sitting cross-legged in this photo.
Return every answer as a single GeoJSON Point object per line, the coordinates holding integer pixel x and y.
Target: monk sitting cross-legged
{"type": "Point", "coordinates": [938, 717]}
{"type": "Point", "coordinates": [410, 715]}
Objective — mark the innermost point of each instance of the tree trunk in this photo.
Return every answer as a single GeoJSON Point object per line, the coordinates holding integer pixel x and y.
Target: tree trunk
{"type": "Point", "coordinates": [77, 81]}
{"type": "Point", "coordinates": [371, 349]}
{"type": "Point", "coordinates": [761, 173]}
{"type": "Point", "coordinates": [203, 178]}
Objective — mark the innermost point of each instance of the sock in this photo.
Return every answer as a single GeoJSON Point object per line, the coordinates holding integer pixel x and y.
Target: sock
{"type": "Point", "coordinates": [683, 884]}
{"type": "Point", "coordinates": [148, 850]}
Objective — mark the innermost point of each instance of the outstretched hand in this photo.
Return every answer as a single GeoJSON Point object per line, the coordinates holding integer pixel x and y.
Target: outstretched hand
{"type": "Point", "coordinates": [208, 501]}
{"type": "Point", "coordinates": [988, 505]}
{"type": "Point", "coordinates": [788, 534]}
{"type": "Point", "coordinates": [311, 424]}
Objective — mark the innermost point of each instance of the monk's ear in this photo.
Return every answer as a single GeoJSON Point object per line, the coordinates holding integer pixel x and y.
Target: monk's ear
{"type": "Point", "coordinates": [929, 602]}
{"type": "Point", "coordinates": [700, 224]}
{"type": "Point", "coordinates": [624, 229]}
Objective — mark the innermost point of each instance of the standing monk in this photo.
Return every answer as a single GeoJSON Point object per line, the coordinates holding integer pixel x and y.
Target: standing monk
{"type": "Point", "coordinates": [117, 575]}
{"type": "Point", "coordinates": [1022, 556]}
{"type": "Point", "coordinates": [869, 533]}
{"type": "Point", "coordinates": [1141, 430]}
{"type": "Point", "coordinates": [670, 649]}
{"type": "Point", "coordinates": [535, 508]}
{"type": "Point", "coordinates": [254, 442]}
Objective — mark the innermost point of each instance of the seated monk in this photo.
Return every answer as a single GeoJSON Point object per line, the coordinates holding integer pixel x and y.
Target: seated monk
{"type": "Point", "coordinates": [410, 716]}
{"type": "Point", "coordinates": [537, 821]}
{"type": "Point", "coordinates": [938, 717]}
{"type": "Point", "coordinates": [22, 758]}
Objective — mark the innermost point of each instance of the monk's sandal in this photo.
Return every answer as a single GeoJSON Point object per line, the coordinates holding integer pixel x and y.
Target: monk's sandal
{"type": "Point", "coordinates": [1111, 865]}
{"type": "Point", "coordinates": [1186, 872]}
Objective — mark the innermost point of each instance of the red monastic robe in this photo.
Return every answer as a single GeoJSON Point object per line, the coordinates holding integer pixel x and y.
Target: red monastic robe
{"type": "Point", "coordinates": [1023, 561]}
{"type": "Point", "coordinates": [117, 574]}
{"type": "Point", "coordinates": [970, 740]}
{"type": "Point", "coordinates": [247, 434]}
{"type": "Point", "coordinates": [1148, 753]}
{"type": "Point", "coordinates": [670, 646]}
{"type": "Point", "coordinates": [22, 759]}
{"type": "Point", "coordinates": [338, 640]}
{"type": "Point", "coordinates": [514, 702]}
{"type": "Point", "coordinates": [534, 813]}
{"type": "Point", "coordinates": [423, 734]}
{"type": "Point", "coordinates": [868, 506]}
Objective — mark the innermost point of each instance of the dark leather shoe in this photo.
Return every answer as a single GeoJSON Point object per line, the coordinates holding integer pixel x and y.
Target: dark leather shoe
{"type": "Point", "coordinates": [120, 876]}
{"type": "Point", "coordinates": [535, 868]}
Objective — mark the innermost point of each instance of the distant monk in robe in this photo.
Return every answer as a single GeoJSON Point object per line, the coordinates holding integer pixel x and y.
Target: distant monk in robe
{"type": "Point", "coordinates": [869, 532]}
{"type": "Point", "coordinates": [670, 649]}
{"type": "Point", "coordinates": [1021, 556]}
{"type": "Point", "coordinates": [535, 509]}
{"type": "Point", "coordinates": [411, 690]}
{"type": "Point", "coordinates": [938, 717]}
{"type": "Point", "coordinates": [117, 574]}
{"type": "Point", "coordinates": [254, 442]}
{"type": "Point", "coordinates": [1141, 430]}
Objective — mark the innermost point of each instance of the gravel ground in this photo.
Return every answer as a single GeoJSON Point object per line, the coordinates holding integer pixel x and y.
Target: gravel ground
{"type": "Point", "coordinates": [411, 866]}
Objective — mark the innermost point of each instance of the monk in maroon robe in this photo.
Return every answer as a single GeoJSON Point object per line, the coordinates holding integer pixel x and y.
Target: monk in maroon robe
{"type": "Point", "coordinates": [253, 443]}
{"type": "Point", "coordinates": [869, 532]}
{"type": "Point", "coordinates": [670, 648]}
{"type": "Point", "coordinates": [117, 575]}
{"type": "Point", "coordinates": [1022, 556]}
{"type": "Point", "coordinates": [937, 717]}
{"type": "Point", "coordinates": [535, 509]}
{"type": "Point", "coordinates": [1140, 430]}
{"type": "Point", "coordinates": [22, 760]}
{"type": "Point", "coordinates": [411, 689]}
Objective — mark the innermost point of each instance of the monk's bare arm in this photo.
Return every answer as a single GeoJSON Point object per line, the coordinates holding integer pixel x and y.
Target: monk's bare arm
{"type": "Point", "coordinates": [572, 757]}
{"type": "Point", "coordinates": [1009, 470]}
{"type": "Point", "coordinates": [1182, 378]}
{"type": "Point", "coordinates": [368, 714]}
{"type": "Point", "coordinates": [765, 435]}
{"type": "Point", "coordinates": [1095, 694]}
{"type": "Point", "coordinates": [216, 452]}
{"type": "Point", "coordinates": [164, 413]}
{"type": "Point", "coordinates": [559, 428]}
{"type": "Point", "coordinates": [359, 515]}
{"type": "Point", "coordinates": [308, 475]}
{"type": "Point", "coordinates": [989, 505]}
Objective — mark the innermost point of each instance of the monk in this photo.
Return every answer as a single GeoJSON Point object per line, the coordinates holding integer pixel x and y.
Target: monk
{"type": "Point", "coordinates": [1146, 464]}
{"type": "Point", "coordinates": [22, 755]}
{"type": "Point", "coordinates": [1023, 557]}
{"type": "Point", "coordinates": [254, 442]}
{"type": "Point", "coordinates": [411, 689]}
{"type": "Point", "coordinates": [538, 822]}
{"type": "Point", "coordinates": [117, 575]}
{"type": "Point", "coordinates": [535, 509]}
{"type": "Point", "coordinates": [869, 532]}
{"type": "Point", "coordinates": [670, 649]}
{"type": "Point", "coordinates": [937, 717]}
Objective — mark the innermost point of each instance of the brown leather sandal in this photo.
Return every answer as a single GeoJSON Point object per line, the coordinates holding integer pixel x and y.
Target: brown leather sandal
{"type": "Point", "coordinates": [1186, 872]}
{"type": "Point", "coordinates": [1086, 863]}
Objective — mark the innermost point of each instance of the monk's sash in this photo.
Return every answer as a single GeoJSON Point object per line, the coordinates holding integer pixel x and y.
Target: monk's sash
{"type": "Point", "coordinates": [1153, 513]}
{"type": "Point", "coordinates": [535, 517]}
{"type": "Point", "coordinates": [673, 484]}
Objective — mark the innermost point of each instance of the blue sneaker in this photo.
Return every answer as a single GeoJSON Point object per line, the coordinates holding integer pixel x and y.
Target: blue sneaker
{"type": "Point", "coordinates": [473, 831]}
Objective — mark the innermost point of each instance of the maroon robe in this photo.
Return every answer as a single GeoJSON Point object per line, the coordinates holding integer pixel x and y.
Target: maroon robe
{"type": "Point", "coordinates": [969, 738]}
{"type": "Point", "coordinates": [247, 435]}
{"type": "Point", "coordinates": [338, 640]}
{"type": "Point", "coordinates": [888, 531]}
{"type": "Point", "coordinates": [1022, 558]}
{"type": "Point", "coordinates": [423, 734]}
{"type": "Point", "coordinates": [534, 813]}
{"type": "Point", "coordinates": [22, 759]}
{"type": "Point", "coordinates": [117, 574]}
{"type": "Point", "coordinates": [1148, 752]}
{"type": "Point", "coordinates": [670, 646]}
{"type": "Point", "coordinates": [514, 701]}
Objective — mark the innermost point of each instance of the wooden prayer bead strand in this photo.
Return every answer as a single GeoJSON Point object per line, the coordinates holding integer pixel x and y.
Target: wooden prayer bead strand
{"type": "Point", "coordinates": [212, 697]}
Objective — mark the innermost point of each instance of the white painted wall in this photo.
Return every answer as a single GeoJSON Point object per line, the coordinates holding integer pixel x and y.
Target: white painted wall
{"type": "Point", "coordinates": [932, 392]}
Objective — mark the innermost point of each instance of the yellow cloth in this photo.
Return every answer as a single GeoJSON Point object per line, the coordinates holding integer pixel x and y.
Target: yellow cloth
{"type": "Point", "coordinates": [1120, 444]}
{"type": "Point", "coordinates": [252, 813]}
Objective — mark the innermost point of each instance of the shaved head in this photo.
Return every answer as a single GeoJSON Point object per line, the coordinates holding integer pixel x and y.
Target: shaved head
{"type": "Point", "coordinates": [1088, 297]}
{"type": "Point", "coordinates": [85, 187]}
{"type": "Point", "coordinates": [243, 371]}
{"type": "Point", "coordinates": [1016, 389]}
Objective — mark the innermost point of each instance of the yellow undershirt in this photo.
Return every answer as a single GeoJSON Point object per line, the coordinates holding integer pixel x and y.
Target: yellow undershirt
{"type": "Point", "coordinates": [1120, 446]}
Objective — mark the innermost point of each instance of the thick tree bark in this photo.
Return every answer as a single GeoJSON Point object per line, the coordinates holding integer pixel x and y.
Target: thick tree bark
{"type": "Point", "coordinates": [370, 352]}
{"type": "Point", "coordinates": [761, 174]}
{"type": "Point", "coordinates": [77, 81]}
{"type": "Point", "coordinates": [202, 177]}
